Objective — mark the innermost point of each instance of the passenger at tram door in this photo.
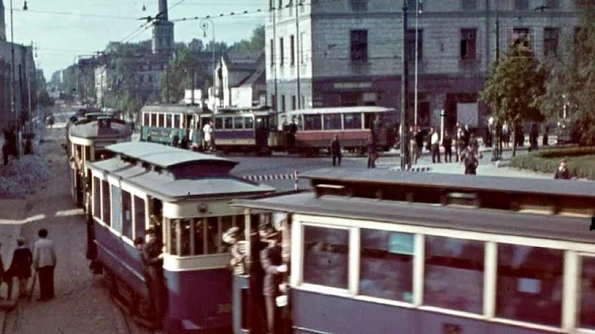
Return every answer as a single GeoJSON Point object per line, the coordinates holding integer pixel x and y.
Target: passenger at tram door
{"type": "Point", "coordinates": [562, 172]}
{"type": "Point", "coordinates": [470, 161]}
{"type": "Point", "coordinates": [236, 251]}
{"type": "Point", "coordinates": [336, 150]}
{"type": "Point", "coordinates": [372, 156]}
{"type": "Point", "coordinates": [44, 262]}
{"type": "Point", "coordinates": [152, 258]}
{"type": "Point", "coordinates": [208, 135]}
{"type": "Point", "coordinates": [175, 139]}
{"type": "Point", "coordinates": [272, 263]}
{"type": "Point", "coordinates": [257, 304]}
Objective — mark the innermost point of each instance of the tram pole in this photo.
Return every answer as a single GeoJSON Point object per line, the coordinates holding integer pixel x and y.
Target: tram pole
{"type": "Point", "coordinates": [404, 74]}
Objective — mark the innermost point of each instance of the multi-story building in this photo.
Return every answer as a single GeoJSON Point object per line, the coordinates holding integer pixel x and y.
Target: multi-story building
{"type": "Point", "coordinates": [18, 82]}
{"type": "Point", "coordinates": [349, 52]}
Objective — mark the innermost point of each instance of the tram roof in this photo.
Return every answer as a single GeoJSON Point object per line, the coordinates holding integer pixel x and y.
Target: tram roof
{"type": "Point", "coordinates": [166, 156]}
{"type": "Point", "coordinates": [453, 182]}
{"type": "Point", "coordinates": [347, 110]}
{"type": "Point", "coordinates": [91, 129]}
{"type": "Point", "coordinates": [173, 108]}
{"type": "Point", "coordinates": [423, 215]}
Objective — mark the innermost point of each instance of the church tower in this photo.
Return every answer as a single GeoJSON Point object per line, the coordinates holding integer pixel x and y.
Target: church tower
{"type": "Point", "coordinates": [163, 32]}
{"type": "Point", "coordinates": [2, 22]}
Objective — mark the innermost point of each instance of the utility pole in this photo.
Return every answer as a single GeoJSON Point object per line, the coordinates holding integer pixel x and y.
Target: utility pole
{"type": "Point", "coordinates": [275, 106]}
{"type": "Point", "coordinates": [298, 53]}
{"type": "Point", "coordinates": [404, 74]}
{"type": "Point", "coordinates": [167, 84]}
{"type": "Point", "coordinates": [497, 142]}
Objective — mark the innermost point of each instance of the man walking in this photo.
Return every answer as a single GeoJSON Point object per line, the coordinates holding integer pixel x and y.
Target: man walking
{"type": "Point", "coordinates": [435, 146]}
{"type": "Point", "coordinates": [44, 261]}
{"type": "Point", "coordinates": [336, 151]}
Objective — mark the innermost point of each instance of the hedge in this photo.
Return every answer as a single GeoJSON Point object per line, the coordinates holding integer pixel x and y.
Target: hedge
{"type": "Point", "coordinates": [580, 161]}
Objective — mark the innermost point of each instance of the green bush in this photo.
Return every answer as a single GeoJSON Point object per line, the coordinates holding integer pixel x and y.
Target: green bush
{"type": "Point", "coordinates": [580, 161]}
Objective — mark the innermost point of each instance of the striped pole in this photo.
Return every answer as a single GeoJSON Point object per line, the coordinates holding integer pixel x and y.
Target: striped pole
{"type": "Point", "coordinates": [294, 177]}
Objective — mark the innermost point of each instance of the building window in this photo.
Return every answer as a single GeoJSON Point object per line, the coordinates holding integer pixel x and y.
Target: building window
{"type": "Point", "coordinates": [521, 39]}
{"type": "Point", "coordinates": [326, 256]}
{"type": "Point", "coordinates": [550, 41]}
{"type": "Point", "coordinates": [272, 51]}
{"type": "Point", "coordinates": [521, 4]}
{"type": "Point", "coordinates": [386, 265]}
{"type": "Point", "coordinates": [468, 43]}
{"type": "Point", "coordinates": [450, 261]}
{"type": "Point", "coordinates": [411, 44]}
{"type": "Point", "coordinates": [273, 102]}
{"type": "Point", "coordinates": [552, 4]}
{"type": "Point", "coordinates": [292, 50]}
{"type": "Point", "coordinates": [469, 5]}
{"type": "Point", "coordinates": [271, 4]}
{"type": "Point", "coordinates": [359, 45]}
{"type": "Point", "coordinates": [529, 284]}
{"type": "Point", "coordinates": [587, 295]}
{"type": "Point", "coordinates": [293, 102]}
{"type": "Point", "coordinates": [302, 39]}
{"type": "Point", "coordinates": [359, 5]}
{"type": "Point", "coordinates": [283, 103]}
{"type": "Point", "coordinates": [281, 52]}
{"type": "Point", "coordinates": [139, 217]}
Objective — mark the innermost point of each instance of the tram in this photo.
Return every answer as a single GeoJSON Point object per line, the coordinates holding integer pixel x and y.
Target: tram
{"type": "Point", "coordinates": [379, 251]}
{"type": "Point", "coordinates": [317, 127]}
{"type": "Point", "coordinates": [159, 123]}
{"type": "Point", "coordinates": [246, 130]}
{"type": "Point", "coordinates": [86, 142]}
{"type": "Point", "coordinates": [184, 195]}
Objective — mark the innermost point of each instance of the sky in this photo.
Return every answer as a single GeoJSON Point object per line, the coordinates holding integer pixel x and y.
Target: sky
{"type": "Point", "coordinates": [61, 30]}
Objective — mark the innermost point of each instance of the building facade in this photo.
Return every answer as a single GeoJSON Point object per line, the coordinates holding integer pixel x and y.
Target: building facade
{"type": "Point", "coordinates": [349, 52]}
{"type": "Point", "coordinates": [240, 80]}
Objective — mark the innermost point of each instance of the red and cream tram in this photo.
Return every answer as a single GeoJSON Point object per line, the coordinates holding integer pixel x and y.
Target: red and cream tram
{"type": "Point", "coordinates": [379, 251]}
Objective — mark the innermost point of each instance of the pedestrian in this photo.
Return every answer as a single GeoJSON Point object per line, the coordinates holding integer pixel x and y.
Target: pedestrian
{"type": "Point", "coordinates": [152, 257]}
{"type": "Point", "coordinates": [562, 172]}
{"type": "Point", "coordinates": [272, 263]}
{"type": "Point", "coordinates": [435, 146]}
{"type": "Point", "coordinates": [44, 262]}
{"type": "Point", "coordinates": [413, 148]}
{"type": "Point", "coordinates": [336, 150]}
{"type": "Point", "coordinates": [20, 267]}
{"type": "Point", "coordinates": [447, 143]}
{"type": "Point", "coordinates": [470, 161]}
{"type": "Point", "coordinates": [371, 152]}
{"type": "Point", "coordinates": [546, 132]}
{"type": "Point", "coordinates": [208, 136]}
{"type": "Point", "coordinates": [474, 145]}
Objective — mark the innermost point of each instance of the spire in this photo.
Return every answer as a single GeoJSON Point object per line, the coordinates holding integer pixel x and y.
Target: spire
{"type": "Point", "coordinates": [163, 10]}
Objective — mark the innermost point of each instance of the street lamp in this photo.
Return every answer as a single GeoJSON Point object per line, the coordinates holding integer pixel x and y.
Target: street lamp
{"type": "Point", "coordinates": [204, 25]}
{"type": "Point", "coordinates": [13, 83]}
{"type": "Point", "coordinates": [417, 12]}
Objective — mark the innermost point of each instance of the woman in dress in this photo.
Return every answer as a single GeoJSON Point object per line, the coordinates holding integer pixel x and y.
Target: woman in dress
{"type": "Point", "coordinates": [21, 265]}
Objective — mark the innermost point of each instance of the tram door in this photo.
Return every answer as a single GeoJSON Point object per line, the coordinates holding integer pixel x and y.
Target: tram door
{"type": "Point", "coordinates": [261, 129]}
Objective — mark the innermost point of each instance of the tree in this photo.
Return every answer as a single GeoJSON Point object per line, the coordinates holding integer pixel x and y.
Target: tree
{"type": "Point", "coordinates": [180, 73]}
{"type": "Point", "coordinates": [512, 86]}
{"type": "Point", "coordinates": [255, 43]}
{"type": "Point", "coordinates": [571, 79]}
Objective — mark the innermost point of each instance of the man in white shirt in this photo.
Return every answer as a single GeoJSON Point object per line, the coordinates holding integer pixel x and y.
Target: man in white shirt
{"type": "Point", "coordinates": [435, 142]}
{"type": "Point", "coordinates": [208, 135]}
{"type": "Point", "coordinates": [44, 261]}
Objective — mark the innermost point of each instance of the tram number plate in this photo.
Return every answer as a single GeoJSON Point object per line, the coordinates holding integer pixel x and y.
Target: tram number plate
{"type": "Point", "coordinates": [223, 308]}
{"type": "Point", "coordinates": [451, 329]}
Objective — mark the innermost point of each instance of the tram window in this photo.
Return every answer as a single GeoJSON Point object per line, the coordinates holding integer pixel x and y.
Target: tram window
{"type": "Point", "coordinates": [199, 237]}
{"type": "Point", "coordinates": [326, 256]}
{"type": "Point", "coordinates": [228, 122]}
{"type": "Point", "coordinates": [177, 124]}
{"type": "Point", "coordinates": [126, 214]}
{"type": "Point", "coordinates": [212, 235]}
{"type": "Point", "coordinates": [96, 198]}
{"type": "Point", "coordinates": [87, 156]}
{"type": "Point", "coordinates": [146, 119]}
{"type": "Point", "coordinates": [226, 224]}
{"type": "Point", "coordinates": [153, 119]}
{"type": "Point", "coordinates": [238, 122]}
{"type": "Point", "coordinates": [139, 217]}
{"type": "Point", "coordinates": [386, 267]}
{"type": "Point", "coordinates": [105, 196]}
{"type": "Point", "coordinates": [454, 272]}
{"type": "Point", "coordinates": [312, 122]}
{"type": "Point", "coordinates": [332, 122]}
{"type": "Point", "coordinates": [248, 122]}
{"type": "Point", "coordinates": [587, 295]}
{"type": "Point", "coordinates": [161, 120]}
{"type": "Point", "coordinates": [168, 120]}
{"type": "Point", "coordinates": [116, 209]}
{"type": "Point", "coordinates": [218, 123]}
{"type": "Point", "coordinates": [529, 284]}
{"type": "Point", "coordinates": [172, 245]}
{"type": "Point", "coordinates": [184, 233]}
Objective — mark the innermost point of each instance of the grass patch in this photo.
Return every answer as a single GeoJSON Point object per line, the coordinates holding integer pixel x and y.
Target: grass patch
{"type": "Point", "coordinates": [580, 161]}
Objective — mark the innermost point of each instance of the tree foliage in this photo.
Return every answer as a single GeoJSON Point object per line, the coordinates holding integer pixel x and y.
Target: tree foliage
{"type": "Point", "coordinates": [180, 73]}
{"type": "Point", "coordinates": [571, 79]}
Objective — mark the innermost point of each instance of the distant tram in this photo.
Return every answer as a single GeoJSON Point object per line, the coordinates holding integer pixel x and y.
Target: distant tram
{"type": "Point", "coordinates": [185, 196]}
{"type": "Point", "coordinates": [379, 251]}
{"type": "Point", "coordinates": [159, 123]}
{"type": "Point", "coordinates": [86, 140]}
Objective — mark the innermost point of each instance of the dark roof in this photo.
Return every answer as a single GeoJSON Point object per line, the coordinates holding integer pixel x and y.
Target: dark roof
{"type": "Point", "coordinates": [165, 156]}
{"type": "Point", "coordinates": [258, 77]}
{"type": "Point", "coordinates": [417, 214]}
{"type": "Point", "coordinates": [166, 187]}
{"type": "Point", "coordinates": [244, 61]}
{"type": "Point", "coordinates": [92, 130]}
{"type": "Point", "coordinates": [455, 182]}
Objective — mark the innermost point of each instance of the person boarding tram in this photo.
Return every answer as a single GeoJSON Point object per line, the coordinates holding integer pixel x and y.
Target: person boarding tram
{"type": "Point", "coordinates": [152, 259]}
{"type": "Point", "coordinates": [272, 263]}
